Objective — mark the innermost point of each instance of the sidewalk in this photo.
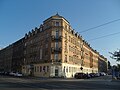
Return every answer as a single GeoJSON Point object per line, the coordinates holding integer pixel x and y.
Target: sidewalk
{"type": "Point", "coordinates": [115, 80]}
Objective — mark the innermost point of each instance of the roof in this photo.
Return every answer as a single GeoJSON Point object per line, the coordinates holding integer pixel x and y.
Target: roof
{"type": "Point", "coordinates": [55, 16]}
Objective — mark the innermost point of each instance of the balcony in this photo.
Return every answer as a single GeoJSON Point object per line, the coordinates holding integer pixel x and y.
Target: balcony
{"type": "Point", "coordinates": [54, 38]}
{"type": "Point", "coordinates": [56, 60]}
{"type": "Point", "coordinates": [56, 50]}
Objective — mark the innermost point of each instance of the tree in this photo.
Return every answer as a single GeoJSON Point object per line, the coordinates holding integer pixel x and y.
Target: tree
{"type": "Point", "coordinates": [115, 55]}
{"type": "Point", "coordinates": [109, 65]}
{"type": "Point", "coordinates": [118, 66]}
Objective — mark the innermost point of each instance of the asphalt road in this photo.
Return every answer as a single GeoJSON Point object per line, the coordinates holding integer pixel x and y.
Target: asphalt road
{"type": "Point", "coordinates": [99, 83]}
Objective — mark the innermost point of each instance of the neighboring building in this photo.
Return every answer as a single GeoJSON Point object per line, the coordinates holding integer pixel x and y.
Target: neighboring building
{"type": "Point", "coordinates": [6, 59]}
{"type": "Point", "coordinates": [102, 64]}
{"type": "Point", "coordinates": [17, 55]}
{"type": "Point", "coordinates": [53, 50]}
{"type": "Point", "coordinates": [90, 59]}
{"type": "Point", "coordinates": [11, 57]}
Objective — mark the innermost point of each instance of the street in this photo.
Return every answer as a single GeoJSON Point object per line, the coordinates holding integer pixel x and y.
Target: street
{"type": "Point", "coordinates": [98, 83]}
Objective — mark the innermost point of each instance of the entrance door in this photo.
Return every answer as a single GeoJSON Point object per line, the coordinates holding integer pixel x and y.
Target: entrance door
{"type": "Point", "coordinates": [56, 72]}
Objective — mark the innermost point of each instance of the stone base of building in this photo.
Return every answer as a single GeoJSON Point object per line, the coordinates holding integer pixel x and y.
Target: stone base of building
{"type": "Point", "coordinates": [62, 70]}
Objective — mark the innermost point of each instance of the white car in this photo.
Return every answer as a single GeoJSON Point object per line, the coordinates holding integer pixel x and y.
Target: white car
{"type": "Point", "coordinates": [97, 74]}
{"type": "Point", "coordinates": [18, 74]}
{"type": "Point", "coordinates": [102, 73]}
{"type": "Point", "coordinates": [12, 73]}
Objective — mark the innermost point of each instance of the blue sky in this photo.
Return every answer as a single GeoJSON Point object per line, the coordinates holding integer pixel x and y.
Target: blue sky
{"type": "Point", "coordinates": [17, 17]}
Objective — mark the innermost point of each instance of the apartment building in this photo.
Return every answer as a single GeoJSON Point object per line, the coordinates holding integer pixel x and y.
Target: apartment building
{"type": "Point", "coordinates": [54, 50]}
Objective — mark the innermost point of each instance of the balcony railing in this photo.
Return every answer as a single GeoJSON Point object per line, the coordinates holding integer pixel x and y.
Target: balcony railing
{"type": "Point", "coordinates": [56, 50]}
{"type": "Point", "coordinates": [56, 60]}
{"type": "Point", "coordinates": [54, 38]}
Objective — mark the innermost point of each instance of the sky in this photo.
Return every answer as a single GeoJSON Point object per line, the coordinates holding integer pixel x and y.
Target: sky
{"type": "Point", "coordinates": [18, 17]}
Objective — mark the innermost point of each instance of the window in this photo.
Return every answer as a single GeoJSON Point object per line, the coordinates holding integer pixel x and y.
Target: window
{"type": "Point", "coordinates": [64, 69]}
{"type": "Point", "coordinates": [57, 34]}
{"type": "Point", "coordinates": [40, 68]}
{"type": "Point", "coordinates": [40, 29]}
{"type": "Point", "coordinates": [25, 44]}
{"type": "Point", "coordinates": [25, 52]}
{"type": "Point", "coordinates": [47, 68]}
{"type": "Point", "coordinates": [65, 35]}
{"type": "Point", "coordinates": [46, 45]}
{"type": "Point", "coordinates": [26, 36]}
{"type": "Point", "coordinates": [40, 53]}
{"type": "Point", "coordinates": [56, 57]}
{"type": "Point", "coordinates": [70, 58]}
{"type": "Point", "coordinates": [69, 38]}
{"type": "Point", "coordinates": [36, 31]}
{"type": "Point", "coordinates": [37, 68]}
{"type": "Point", "coordinates": [65, 58]}
{"type": "Point", "coordinates": [56, 45]}
{"type": "Point", "coordinates": [67, 69]}
{"type": "Point", "coordinates": [47, 35]}
{"type": "Point", "coordinates": [65, 26]}
{"type": "Point", "coordinates": [44, 68]}
{"type": "Point", "coordinates": [57, 23]}
{"type": "Point", "coordinates": [31, 41]}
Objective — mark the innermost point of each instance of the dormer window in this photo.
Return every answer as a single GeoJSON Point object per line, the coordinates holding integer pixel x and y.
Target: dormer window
{"type": "Point", "coordinates": [26, 36]}
{"type": "Point", "coordinates": [36, 31]}
{"type": "Point", "coordinates": [40, 29]}
{"type": "Point", "coordinates": [29, 34]}
{"type": "Point", "coordinates": [32, 33]}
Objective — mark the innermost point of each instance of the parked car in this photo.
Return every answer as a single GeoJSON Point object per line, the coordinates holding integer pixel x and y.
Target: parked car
{"type": "Point", "coordinates": [80, 76]}
{"type": "Point", "coordinates": [12, 73]}
{"type": "Point", "coordinates": [92, 74]}
{"type": "Point", "coordinates": [102, 73]}
{"type": "Point", "coordinates": [97, 74]}
{"type": "Point", "coordinates": [6, 73]}
{"type": "Point", "coordinates": [88, 75]}
{"type": "Point", "coordinates": [17, 74]}
{"type": "Point", "coordinates": [2, 73]}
